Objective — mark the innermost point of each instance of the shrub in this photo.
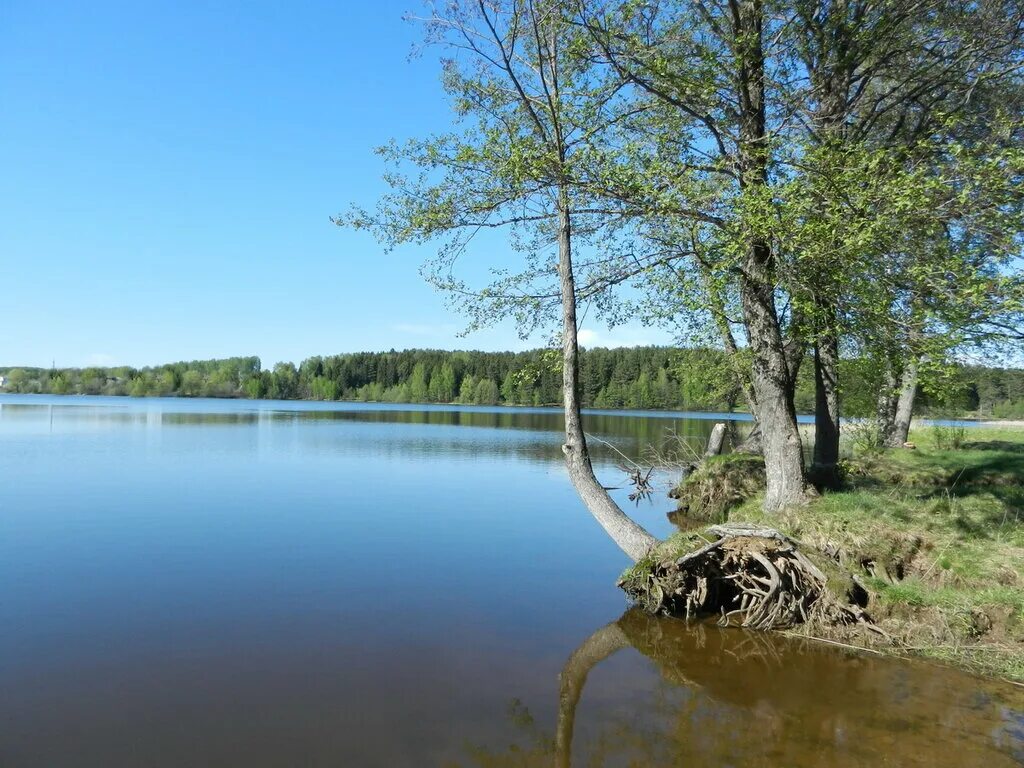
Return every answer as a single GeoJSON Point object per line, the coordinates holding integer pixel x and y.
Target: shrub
{"type": "Point", "coordinates": [949, 437]}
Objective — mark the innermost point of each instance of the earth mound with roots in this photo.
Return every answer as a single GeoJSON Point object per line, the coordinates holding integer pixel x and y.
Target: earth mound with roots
{"type": "Point", "coordinates": [749, 575]}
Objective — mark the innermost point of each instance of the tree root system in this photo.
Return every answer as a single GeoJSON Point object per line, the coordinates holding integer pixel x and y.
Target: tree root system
{"type": "Point", "coordinates": [750, 576]}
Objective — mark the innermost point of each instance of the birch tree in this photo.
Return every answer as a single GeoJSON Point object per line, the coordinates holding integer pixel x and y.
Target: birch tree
{"type": "Point", "coordinates": [538, 130]}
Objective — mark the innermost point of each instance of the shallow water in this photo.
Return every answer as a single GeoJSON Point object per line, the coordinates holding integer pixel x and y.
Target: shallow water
{"type": "Point", "coordinates": [188, 582]}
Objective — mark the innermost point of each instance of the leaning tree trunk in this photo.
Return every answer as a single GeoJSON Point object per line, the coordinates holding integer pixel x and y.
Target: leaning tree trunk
{"type": "Point", "coordinates": [900, 430]}
{"type": "Point", "coordinates": [631, 538]}
{"type": "Point", "coordinates": [773, 385]}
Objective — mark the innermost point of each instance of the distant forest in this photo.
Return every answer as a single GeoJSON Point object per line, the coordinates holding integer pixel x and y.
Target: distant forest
{"type": "Point", "coordinates": [639, 377]}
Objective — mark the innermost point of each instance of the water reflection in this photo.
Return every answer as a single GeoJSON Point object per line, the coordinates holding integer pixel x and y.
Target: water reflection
{"type": "Point", "coordinates": [634, 433]}
{"type": "Point", "coordinates": [728, 697]}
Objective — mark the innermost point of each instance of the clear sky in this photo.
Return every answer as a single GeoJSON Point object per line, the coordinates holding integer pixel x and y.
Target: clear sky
{"type": "Point", "coordinates": [167, 170]}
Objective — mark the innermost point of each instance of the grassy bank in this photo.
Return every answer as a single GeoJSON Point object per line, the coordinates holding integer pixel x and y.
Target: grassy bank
{"type": "Point", "coordinates": [935, 535]}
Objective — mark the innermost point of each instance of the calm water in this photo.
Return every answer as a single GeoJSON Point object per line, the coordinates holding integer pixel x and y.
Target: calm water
{"type": "Point", "coordinates": [212, 583]}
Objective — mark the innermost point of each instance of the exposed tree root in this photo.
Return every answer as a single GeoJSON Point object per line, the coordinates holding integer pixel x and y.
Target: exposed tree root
{"type": "Point", "coordinates": [750, 576]}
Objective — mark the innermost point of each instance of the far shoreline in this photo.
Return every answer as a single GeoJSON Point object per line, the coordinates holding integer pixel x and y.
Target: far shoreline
{"type": "Point", "coordinates": [805, 419]}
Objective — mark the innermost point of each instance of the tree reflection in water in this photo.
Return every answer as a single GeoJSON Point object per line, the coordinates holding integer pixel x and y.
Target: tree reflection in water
{"type": "Point", "coordinates": [729, 697]}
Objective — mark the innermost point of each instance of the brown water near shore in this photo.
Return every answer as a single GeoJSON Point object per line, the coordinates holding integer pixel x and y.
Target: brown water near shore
{"type": "Point", "coordinates": [730, 697]}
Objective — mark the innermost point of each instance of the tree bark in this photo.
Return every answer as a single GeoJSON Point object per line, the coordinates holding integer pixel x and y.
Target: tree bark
{"type": "Point", "coordinates": [752, 442]}
{"type": "Point", "coordinates": [716, 440]}
{"type": "Point", "coordinates": [826, 408]}
{"type": "Point", "coordinates": [886, 406]}
{"type": "Point", "coordinates": [830, 78]}
{"type": "Point", "coordinates": [631, 538]}
{"type": "Point", "coordinates": [900, 430]}
{"type": "Point", "coordinates": [773, 386]}
{"type": "Point", "coordinates": [795, 350]}
{"type": "Point", "coordinates": [721, 318]}
{"type": "Point", "coordinates": [780, 438]}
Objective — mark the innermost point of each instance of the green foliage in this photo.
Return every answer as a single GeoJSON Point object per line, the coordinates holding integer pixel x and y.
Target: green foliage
{"type": "Point", "coordinates": [948, 437]}
{"type": "Point", "coordinates": [533, 124]}
{"type": "Point", "coordinates": [864, 435]}
{"type": "Point", "coordinates": [638, 377]}
{"type": "Point", "coordinates": [323, 388]}
{"type": "Point", "coordinates": [59, 384]}
{"type": "Point", "coordinates": [442, 384]}
{"type": "Point", "coordinates": [779, 177]}
{"type": "Point", "coordinates": [965, 389]}
{"type": "Point", "coordinates": [486, 392]}
{"type": "Point", "coordinates": [284, 383]}
{"type": "Point", "coordinates": [232, 377]}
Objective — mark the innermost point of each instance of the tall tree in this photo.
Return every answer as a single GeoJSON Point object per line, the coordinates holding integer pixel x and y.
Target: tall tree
{"type": "Point", "coordinates": [704, 67]}
{"type": "Point", "coordinates": [888, 76]}
{"type": "Point", "coordinates": [741, 121]}
{"type": "Point", "coordinates": [537, 117]}
{"type": "Point", "coordinates": [712, 140]}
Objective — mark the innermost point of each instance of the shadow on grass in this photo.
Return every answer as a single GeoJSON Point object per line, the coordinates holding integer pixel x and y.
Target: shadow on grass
{"type": "Point", "coordinates": [994, 445]}
{"type": "Point", "coordinates": [979, 490]}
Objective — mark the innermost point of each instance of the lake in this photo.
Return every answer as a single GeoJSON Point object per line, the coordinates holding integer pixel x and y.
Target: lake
{"type": "Point", "coordinates": [222, 583]}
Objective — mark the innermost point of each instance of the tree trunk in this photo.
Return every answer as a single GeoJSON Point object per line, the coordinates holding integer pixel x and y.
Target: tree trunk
{"type": "Point", "coordinates": [631, 538]}
{"type": "Point", "coordinates": [826, 409]}
{"type": "Point", "coordinates": [900, 429]}
{"type": "Point", "coordinates": [773, 386]}
{"type": "Point", "coordinates": [721, 318]}
{"type": "Point", "coordinates": [780, 438]}
{"type": "Point", "coordinates": [752, 443]}
{"type": "Point", "coordinates": [795, 350]}
{"type": "Point", "coordinates": [830, 79]}
{"type": "Point", "coordinates": [885, 411]}
{"type": "Point", "coordinates": [716, 440]}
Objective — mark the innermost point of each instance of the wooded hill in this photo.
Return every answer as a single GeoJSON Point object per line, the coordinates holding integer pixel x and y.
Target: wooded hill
{"type": "Point", "coordinates": [639, 377]}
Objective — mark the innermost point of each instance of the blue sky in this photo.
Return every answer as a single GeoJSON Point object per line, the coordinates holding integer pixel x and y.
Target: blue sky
{"type": "Point", "coordinates": [167, 171]}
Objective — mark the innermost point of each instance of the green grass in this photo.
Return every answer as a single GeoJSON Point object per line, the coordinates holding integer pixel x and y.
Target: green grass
{"type": "Point", "coordinates": [937, 536]}
{"type": "Point", "coordinates": [718, 485]}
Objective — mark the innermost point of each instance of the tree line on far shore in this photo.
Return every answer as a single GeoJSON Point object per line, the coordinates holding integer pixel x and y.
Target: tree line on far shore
{"type": "Point", "coordinates": [639, 377]}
